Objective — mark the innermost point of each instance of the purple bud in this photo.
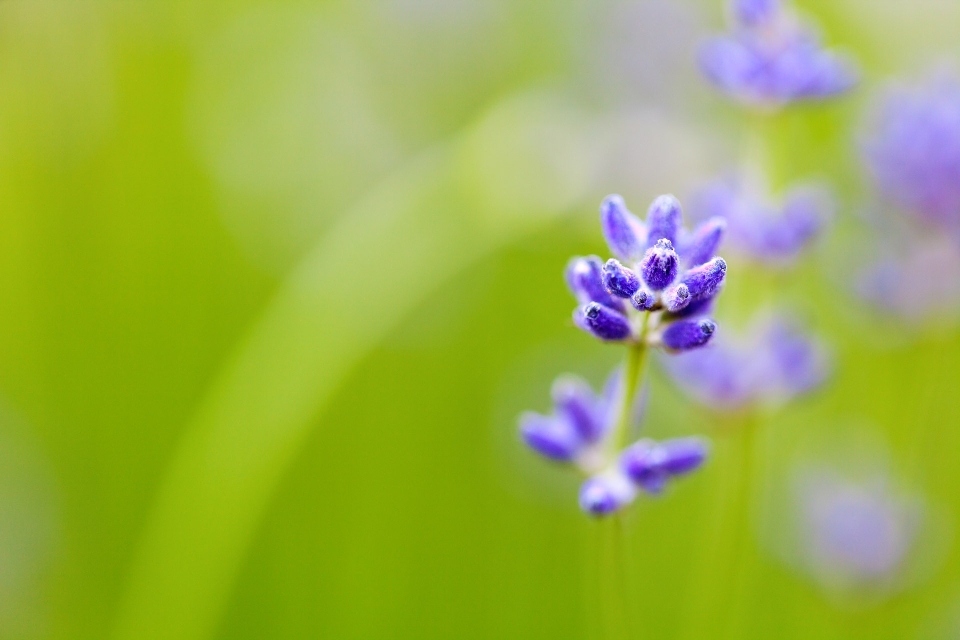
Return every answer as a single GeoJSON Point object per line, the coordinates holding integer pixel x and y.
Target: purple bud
{"type": "Point", "coordinates": [585, 279]}
{"type": "Point", "coordinates": [623, 231]}
{"type": "Point", "coordinates": [548, 436]}
{"type": "Point", "coordinates": [603, 322]}
{"type": "Point", "coordinates": [659, 265]}
{"type": "Point", "coordinates": [753, 13]}
{"type": "Point", "coordinates": [706, 279]}
{"type": "Point", "coordinates": [604, 494]}
{"type": "Point", "coordinates": [688, 334]}
{"type": "Point", "coordinates": [619, 280]}
{"type": "Point", "coordinates": [676, 298]}
{"type": "Point", "coordinates": [683, 455]}
{"type": "Point", "coordinates": [705, 241]}
{"type": "Point", "coordinates": [575, 401]}
{"type": "Point", "coordinates": [643, 300]}
{"type": "Point", "coordinates": [663, 220]}
{"type": "Point", "coordinates": [643, 463]}
{"type": "Point", "coordinates": [698, 307]}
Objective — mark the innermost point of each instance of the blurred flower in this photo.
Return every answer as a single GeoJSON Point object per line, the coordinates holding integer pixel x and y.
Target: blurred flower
{"type": "Point", "coordinates": [914, 150]}
{"type": "Point", "coordinates": [762, 231]}
{"type": "Point", "coordinates": [578, 432]}
{"type": "Point", "coordinates": [854, 535]}
{"type": "Point", "coordinates": [668, 270]}
{"type": "Point", "coordinates": [774, 361]}
{"type": "Point", "coordinates": [770, 58]}
{"type": "Point", "coordinates": [916, 277]}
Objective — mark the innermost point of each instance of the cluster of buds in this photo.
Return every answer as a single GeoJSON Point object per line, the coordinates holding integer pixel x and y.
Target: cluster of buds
{"type": "Point", "coordinates": [664, 281]}
{"type": "Point", "coordinates": [654, 293]}
{"type": "Point", "coordinates": [580, 432]}
{"type": "Point", "coordinates": [770, 58]}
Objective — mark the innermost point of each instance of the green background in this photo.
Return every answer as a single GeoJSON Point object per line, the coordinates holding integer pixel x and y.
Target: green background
{"type": "Point", "coordinates": [277, 279]}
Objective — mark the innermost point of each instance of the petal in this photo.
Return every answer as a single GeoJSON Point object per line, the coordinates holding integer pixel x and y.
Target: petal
{"type": "Point", "coordinates": [623, 231]}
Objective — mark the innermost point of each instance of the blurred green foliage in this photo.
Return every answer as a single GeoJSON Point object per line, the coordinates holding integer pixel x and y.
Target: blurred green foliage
{"type": "Point", "coordinates": [278, 278]}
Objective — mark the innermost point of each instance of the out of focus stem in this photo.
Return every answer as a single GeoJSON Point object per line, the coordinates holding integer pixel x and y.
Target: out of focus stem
{"type": "Point", "coordinates": [632, 374]}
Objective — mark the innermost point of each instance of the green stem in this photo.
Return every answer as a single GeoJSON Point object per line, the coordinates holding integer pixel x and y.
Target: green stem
{"type": "Point", "coordinates": [632, 374]}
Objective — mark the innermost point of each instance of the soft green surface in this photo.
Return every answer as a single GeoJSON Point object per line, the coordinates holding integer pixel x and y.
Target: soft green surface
{"type": "Point", "coordinates": [278, 277]}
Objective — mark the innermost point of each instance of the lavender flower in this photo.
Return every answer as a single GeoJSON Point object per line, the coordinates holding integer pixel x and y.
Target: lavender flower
{"type": "Point", "coordinates": [578, 424]}
{"type": "Point", "coordinates": [773, 362]}
{"type": "Point", "coordinates": [770, 58]}
{"type": "Point", "coordinates": [854, 534]}
{"type": "Point", "coordinates": [657, 279]}
{"type": "Point", "coordinates": [654, 300]}
{"type": "Point", "coordinates": [578, 432]}
{"type": "Point", "coordinates": [916, 277]}
{"type": "Point", "coordinates": [914, 151]}
{"type": "Point", "coordinates": [765, 233]}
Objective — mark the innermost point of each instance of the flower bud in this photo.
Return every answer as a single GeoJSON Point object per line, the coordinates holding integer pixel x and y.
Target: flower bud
{"type": "Point", "coordinates": [688, 334]}
{"type": "Point", "coordinates": [548, 436]}
{"type": "Point", "coordinates": [603, 322]}
{"type": "Point", "coordinates": [676, 298]}
{"type": "Point", "coordinates": [659, 266]}
{"type": "Point", "coordinates": [574, 400]}
{"type": "Point", "coordinates": [705, 240]}
{"type": "Point", "coordinates": [585, 279]}
{"type": "Point", "coordinates": [623, 231]}
{"type": "Point", "coordinates": [683, 455]}
{"type": "Point", "coordinates": [706, 279]}
{"type": "Point", "coordinates": [663, 220]}
{"type": "Point", "coordinates": [619, 280]}
{"type": "Point", "coordinates": [643, 462]}
{"type": "Point", "coordinates": [604, 494]}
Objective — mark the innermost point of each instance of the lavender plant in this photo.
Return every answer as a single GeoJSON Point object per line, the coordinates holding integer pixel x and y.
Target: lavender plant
{"type": "Point", "coordinates": [771, 58]}
{"type": "Point", "coordinates": [913, 155]}
{"type": "Point", "coordinates": [854, 536]}
{"type": "Point", "coordinates": [655, 294]}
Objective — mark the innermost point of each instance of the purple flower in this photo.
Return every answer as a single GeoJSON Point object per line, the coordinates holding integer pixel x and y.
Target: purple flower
{"type": "Point", "coordinates": [917, 277]}
{"type": "Point", "coordinates": [684, 335]}
{"type": "Point", "coordinates": [650, 464]}
{"type": "Point", "coordinates": [765, 233]}
{"type": "Point", "coordinates": [772, 362]}
{"type": "Point", "coordinates": [854, 534]}
{"type": "Point", "coordinates": [771, 59]}
{"type": "Point", "coordinates": [657, 277]}
{"type": "Point", "coordinates": [913, 151]}
{"type": "Point", "coordinates": [606, 493]}
{"type": "Point", "coordinates": [578, 432]}
{"type": "Point", "coordinates": [579, 421]}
